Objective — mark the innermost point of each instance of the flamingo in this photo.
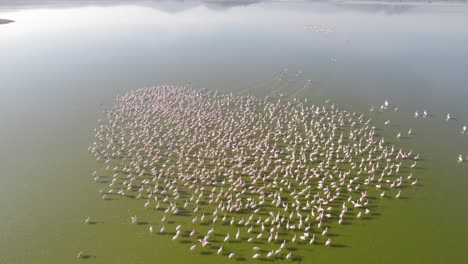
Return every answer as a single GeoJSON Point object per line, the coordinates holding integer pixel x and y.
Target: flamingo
{"type": "Point", "coordinates": [204, 242]}
{"type": "Point", "coordinates": [398, 194]}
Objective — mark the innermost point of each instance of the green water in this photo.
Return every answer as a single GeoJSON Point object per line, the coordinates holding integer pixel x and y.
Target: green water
{"type": "Point", "coordinates": [61, 65]}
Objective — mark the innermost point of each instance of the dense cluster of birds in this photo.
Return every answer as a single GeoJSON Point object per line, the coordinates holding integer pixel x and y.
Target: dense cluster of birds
{"type": "Point", "coordinates": [272, 171]}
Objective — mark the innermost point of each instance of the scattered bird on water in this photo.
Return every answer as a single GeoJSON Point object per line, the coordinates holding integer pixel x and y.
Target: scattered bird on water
{"type": "Point", "coordinates": [312, 239]}
{"type": "Point", "coordinates": [325, 231]}
{"type": "Point", "coordinates": [211, 231]}
{"type": "Point", "coordinates": [398, 194]}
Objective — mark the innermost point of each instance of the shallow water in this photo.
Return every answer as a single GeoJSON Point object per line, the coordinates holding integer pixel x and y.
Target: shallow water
{"type": "Point", "coordinates": [62, 64]}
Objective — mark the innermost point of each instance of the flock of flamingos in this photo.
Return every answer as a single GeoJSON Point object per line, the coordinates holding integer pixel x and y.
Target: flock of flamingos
{"type": "Point", "coordinates": [272, 172]}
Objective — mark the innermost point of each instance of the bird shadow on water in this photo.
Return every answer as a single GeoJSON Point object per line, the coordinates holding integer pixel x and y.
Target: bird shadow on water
{"type": "Point", "coordinates": [297, 259]}
{"type": "Point", "coordinates": [88, 256]}
{"type": "Point", "coordinates": [95, 222]}
{"type": "Point", "coordinates": [184, 213]}
{"type": "Point", "coordinates": [142, 223]}
{"type": "Point", "coordinates": [265, 260]}
{"type": "Point", "coordinates": [339, 246]}
{"type": "Point", "coordinates": [104, 181]}
{"type": "Point", "coordinates": [292, 248]}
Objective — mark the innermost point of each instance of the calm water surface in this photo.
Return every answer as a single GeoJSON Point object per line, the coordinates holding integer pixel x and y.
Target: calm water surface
{"type": "Point", "coordinates": [62, 64]}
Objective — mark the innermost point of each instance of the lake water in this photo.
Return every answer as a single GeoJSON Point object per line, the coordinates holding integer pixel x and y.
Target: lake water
{"type": "Point", "coordinates": [62, 64]}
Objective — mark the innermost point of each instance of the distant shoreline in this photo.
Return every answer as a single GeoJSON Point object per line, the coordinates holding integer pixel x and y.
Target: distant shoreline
{"type": "Point", "coordinates": [5, 21]}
